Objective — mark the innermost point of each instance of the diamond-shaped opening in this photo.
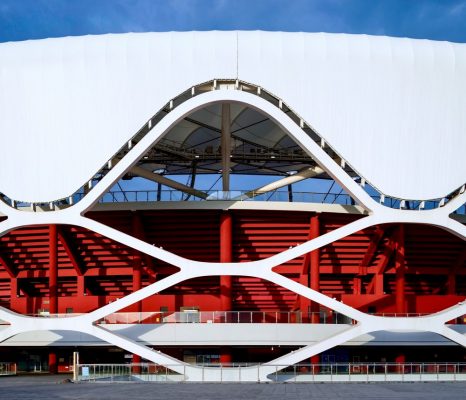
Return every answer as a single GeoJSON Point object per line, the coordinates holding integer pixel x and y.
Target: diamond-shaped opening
{"type": "Point", "coordinates": [387, 270]}
{"type": "Point", "coordinates": [251, 300]}
{"type": "Point", "coordinates": [196, 233]}
{"type": "Point", "coordinates": [228, 152]}
{"type": "Point", "coordinates": [460, 214]}
{"type": "Point", "coordinates": [182, 183]}
{"type": "Point", "coordinates": [92, 270]}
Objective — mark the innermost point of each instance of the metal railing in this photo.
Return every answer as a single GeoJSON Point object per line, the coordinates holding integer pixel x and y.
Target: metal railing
{"type": "Point", "coordinates": [225, 317]}
{"type": "Point", "coordinates": [219, 195]}
{"type": "Point", "coordinates": [371, 372]}
{"type": "Point", "coordinates": [120, 196]}
{"type": "Point", "coordinates": [127, 373]}
{"type": "Point", "coordinates": [8, 368]}
{"type": "Point", "coordinates": [325, 316]}
{"type": "Point", "coordinates": [323, 372]}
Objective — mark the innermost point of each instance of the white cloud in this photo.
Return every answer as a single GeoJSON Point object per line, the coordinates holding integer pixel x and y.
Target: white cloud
{"type": "Point", "coordinates": [458, 8]}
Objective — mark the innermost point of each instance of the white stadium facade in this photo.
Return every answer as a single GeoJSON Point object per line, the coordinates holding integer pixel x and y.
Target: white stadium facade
{"type": "Point", "coordinates": [259, 202]}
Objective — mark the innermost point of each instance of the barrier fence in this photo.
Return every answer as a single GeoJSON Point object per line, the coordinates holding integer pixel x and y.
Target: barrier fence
{"type": "Point", "coordinates": [336, 372]}
{"type": "Point", "coordinates": [244, 317]}
{"type": "Point", "coordinates": [218, 317]}
{"type": "Point", "coordinates": [325, 316]}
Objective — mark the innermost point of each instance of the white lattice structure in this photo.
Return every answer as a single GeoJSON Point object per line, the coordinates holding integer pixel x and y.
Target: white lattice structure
{"type": "Point", "coordinates": [441, 179]}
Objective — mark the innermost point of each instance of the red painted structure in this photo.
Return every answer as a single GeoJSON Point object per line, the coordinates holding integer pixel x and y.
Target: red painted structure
{"type": "Point", "coordinates": [411, 268]}
{"type": "Point", "coordinates": [383, 269]}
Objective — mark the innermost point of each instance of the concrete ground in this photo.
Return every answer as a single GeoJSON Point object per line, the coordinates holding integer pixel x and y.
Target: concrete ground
{"type": "Point", "coordinates": [55, 387]}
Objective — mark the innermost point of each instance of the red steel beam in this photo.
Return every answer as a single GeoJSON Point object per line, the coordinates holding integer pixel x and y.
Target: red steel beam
{"type": "Point", "coordinates": [76, 261]}
{"type": "Point", "coordinates": [6, 264]}
{"type": "Point", "coordinates": [376, 284]}
{"type": "Point", "coordinates": [367, 259]}
{"type": "Point", "coordinates": [351, 270]}
{"type": "Point", "coordinates": [148, 267]}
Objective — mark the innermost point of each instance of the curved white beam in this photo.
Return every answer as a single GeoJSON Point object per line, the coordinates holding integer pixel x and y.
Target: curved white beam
{"type": "Point", "coordinates": [205, 99]}
{"type": "Point", "coordinates": [262, 269]}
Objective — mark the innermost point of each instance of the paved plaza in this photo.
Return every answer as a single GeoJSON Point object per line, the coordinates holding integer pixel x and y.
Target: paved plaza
{"type": "Point", "coordinates": [56, 387]}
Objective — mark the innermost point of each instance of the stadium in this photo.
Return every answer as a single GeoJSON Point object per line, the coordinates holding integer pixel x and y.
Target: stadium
{"type": "Point", "coordinates": [252, 200]}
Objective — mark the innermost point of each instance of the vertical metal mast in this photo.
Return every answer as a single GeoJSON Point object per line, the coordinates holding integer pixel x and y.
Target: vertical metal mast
{"type": "Point", "coordinates": [226, 146]}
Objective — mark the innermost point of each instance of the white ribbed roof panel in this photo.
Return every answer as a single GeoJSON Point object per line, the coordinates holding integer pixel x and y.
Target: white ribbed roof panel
{"type": "Point", "coordinates": [67, 105]}
{"type": "Point", "coordinates": [394, 108]}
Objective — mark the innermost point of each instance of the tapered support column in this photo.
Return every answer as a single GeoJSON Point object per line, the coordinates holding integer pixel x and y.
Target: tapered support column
{"type": "Point", "coordinates": [226, 255]}
{"type": "Point", "coordinates": [400, 271]}
{"type": "Point", "coordinates": [53, 269]}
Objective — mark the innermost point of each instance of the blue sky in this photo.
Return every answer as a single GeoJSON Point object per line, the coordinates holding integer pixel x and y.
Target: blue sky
{"type": "Point", "coordinates": [430, 19]}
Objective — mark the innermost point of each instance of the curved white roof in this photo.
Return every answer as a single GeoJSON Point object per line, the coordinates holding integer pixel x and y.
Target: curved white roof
{"type": "Point", "coordinates": [394, 108]}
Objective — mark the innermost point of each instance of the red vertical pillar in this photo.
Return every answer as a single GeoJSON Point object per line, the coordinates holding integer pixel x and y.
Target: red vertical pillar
{"type": "Point", "coordinates": [53, 269]}
{"type": "Point", "coordinates": [137, 259]}
{"type": "Point", "coordinates": [451, 282]}
{"type": "Point", "coordinates": [315, 276]}
{"type": "Point", "coordinates": [304, 302]}
{"type": "Point", "coordinates": [400, 359]}
{"type": "Point", "coordinates": [357, 285]}
{"type": "Point", "coordinates": [53, 366]}
{"type": "Point", "coordinates": [137, 275]}
{"type": "Point", "coordinates": [81, 289]}
{"type": "Point", "coordinates": [226, 255]}
{"type": "Point", "coordinates": [14, 295]}
{"type": "Point", "coordinates": [225, 355]}
{"type": "Point", "coordinates": [400, 298]}
{"type": "Point", "coordinates": [315, 266]}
